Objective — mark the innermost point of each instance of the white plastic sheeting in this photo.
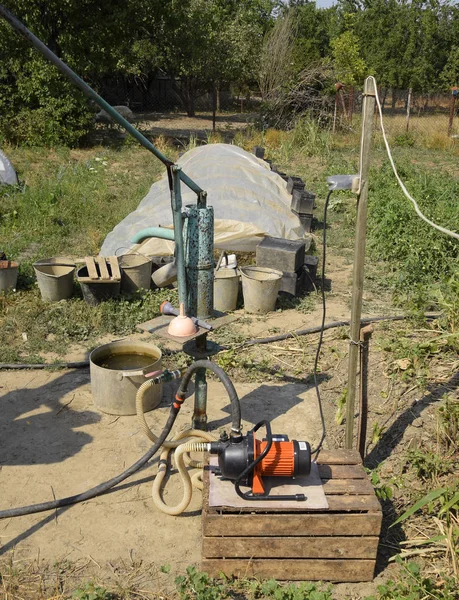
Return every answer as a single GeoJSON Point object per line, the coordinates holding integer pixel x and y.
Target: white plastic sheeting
{"type": "Point", "coordinates": [7, 172]}
{"type": "Point", "coordinates": [249, 200]}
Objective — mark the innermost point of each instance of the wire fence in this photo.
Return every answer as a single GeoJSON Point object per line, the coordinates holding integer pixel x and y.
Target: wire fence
{"type": "Point", "coordinates": [406, 114]}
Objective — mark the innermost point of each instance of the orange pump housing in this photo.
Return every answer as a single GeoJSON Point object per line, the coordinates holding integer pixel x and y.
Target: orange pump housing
{"type": "Point", "coordinates": [279, 462]}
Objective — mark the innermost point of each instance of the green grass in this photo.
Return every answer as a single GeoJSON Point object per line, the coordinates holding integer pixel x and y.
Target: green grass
{"type": "Point", "coordinates": [65, 205]}
{"type": "Point", "coordinates": [68, 201]}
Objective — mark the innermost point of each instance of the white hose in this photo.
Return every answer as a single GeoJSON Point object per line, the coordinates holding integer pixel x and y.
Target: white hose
{"type": "Point", "coordinates": [183, 442]}
{"type": "Point", "coordinates": [188, 482]}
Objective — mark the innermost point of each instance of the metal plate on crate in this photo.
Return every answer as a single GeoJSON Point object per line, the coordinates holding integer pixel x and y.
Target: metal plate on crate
{"type": "Point", "coordinates": [160, 325]}
{"type": "Point", "coordinates": [222, 493]}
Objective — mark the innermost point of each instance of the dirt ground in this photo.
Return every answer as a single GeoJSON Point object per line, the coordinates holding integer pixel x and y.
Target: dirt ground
{"type": "Point", "coordinates": [179, 125]}
{"type": "Point", "coordinates": [56, 443]}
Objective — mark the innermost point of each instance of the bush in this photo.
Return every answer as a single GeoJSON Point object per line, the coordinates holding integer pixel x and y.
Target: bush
{"type": "Point", "coordinates": [39, 107]}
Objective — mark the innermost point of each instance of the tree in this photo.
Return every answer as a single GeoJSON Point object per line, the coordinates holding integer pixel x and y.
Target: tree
{"type": "Point", "coordinates": [203, 42]}
{"type": "Point", "coordinates": [39, 105]}
{"type": "Point", "coordinates": [350, 68]}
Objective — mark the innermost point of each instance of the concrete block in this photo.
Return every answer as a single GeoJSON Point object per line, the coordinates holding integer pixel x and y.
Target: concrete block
{"type": "Point", "coordinates": [302, 201]}
{"type": "Point", "coordinates": [293, 283]}
{"type": "Point", "coordinates": [295, 183]}
{"type": "Point", "coordinates": [279, 253]}
{"type": "Point", "coordinates": [305, 220]}
{"type": "Point", "coordinates": [259, 151]}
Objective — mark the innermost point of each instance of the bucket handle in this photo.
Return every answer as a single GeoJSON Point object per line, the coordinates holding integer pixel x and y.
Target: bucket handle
{"type": "Point", "coordinates": [222, 256]}
{"type": "Point", "coordinates": [141, 373]}
{"type": "Point", "coordinates": [131, 252]}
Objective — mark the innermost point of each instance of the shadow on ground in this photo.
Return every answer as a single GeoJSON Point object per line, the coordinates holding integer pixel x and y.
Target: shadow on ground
{"type": "Point", "coordinates": [37, 418]}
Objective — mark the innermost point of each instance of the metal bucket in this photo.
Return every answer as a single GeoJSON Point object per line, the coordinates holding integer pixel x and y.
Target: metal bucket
{"type": "Point", "coordinates": [114, 390]}
{"type": "Point", "coordinates": [135, 272]}
{"type": "Point", "coordinates": [95, 292]}
{"type": "Point", "coordinates": [55, 278]}
{"type": "Point", "coordinates": [226, 288]}
{"type": "Point", "coordinates": [9, 277]}
{"type": "Point", "coordinates": [260, 286]}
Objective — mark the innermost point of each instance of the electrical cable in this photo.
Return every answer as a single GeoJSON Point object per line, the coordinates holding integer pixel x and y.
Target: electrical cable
{"type": "Point", "coordinates": [322, 327]}
{"type": "Point", "coordinates": [452, 234]}
{"type": "Point", "coordinates": [102, 488]}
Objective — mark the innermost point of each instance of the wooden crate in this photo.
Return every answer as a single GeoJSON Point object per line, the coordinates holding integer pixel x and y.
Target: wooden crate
{"type": "Point", "coordinates": [101, 269]}
{"type": "Point", "coordinates": [337, 544]}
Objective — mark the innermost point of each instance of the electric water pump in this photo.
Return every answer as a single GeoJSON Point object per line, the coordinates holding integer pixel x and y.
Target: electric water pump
{"type": "Point", "coordinates": [246, 460]}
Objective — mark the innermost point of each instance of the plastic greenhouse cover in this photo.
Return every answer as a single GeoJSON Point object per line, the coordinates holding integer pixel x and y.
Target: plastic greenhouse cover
{"type": "Point", "coordinates": [250, 201]}
{"type": "Point", "coordinates": [7, 172]}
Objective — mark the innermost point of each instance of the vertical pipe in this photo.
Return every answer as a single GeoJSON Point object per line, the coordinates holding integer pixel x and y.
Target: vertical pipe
{"type": "Point", "coordinates": [359, 253]}
{"type": "Point", "coordinates": [176, 202]}
{"type": "Point", "coordinates": [199, 260]}
{"type": "Point", "coordinates": [199, 420]}
{"type": "Point", "coordinates": [365, 335]}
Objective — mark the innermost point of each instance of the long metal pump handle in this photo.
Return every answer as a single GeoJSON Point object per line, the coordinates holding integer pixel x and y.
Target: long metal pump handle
{"type": "Point", "coordinates": [88, 91]}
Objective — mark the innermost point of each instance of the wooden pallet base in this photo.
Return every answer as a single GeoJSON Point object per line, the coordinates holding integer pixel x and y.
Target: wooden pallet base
{"type": "Point", "coordinates": [337, 544]}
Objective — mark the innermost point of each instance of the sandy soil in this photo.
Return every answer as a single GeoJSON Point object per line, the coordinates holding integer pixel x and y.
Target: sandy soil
{"type": "Point", "coordinates": [56, 443]}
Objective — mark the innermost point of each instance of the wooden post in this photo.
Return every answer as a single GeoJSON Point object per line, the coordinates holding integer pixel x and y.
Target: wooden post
{"type": "Point", "coordinates": [359, 253]}
{"type": "Point", "coordinates": [214, 106]}
{"type": "Point", "coordinates": [365, 335]}
{"type": "Point", "coordinates": [451, 110]}
{"type": "Point", "coordinates": [408, 106]}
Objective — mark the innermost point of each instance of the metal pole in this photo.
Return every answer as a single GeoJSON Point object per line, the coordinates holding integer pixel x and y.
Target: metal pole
{"type": "Point", "coordinates": [88, 91]}
{"type": "Point", "coordinates": [359, 253]}
{"type": "Point", "coordinates": [365, 335]}
{"type": "Point", "coordinates": [176, 202]}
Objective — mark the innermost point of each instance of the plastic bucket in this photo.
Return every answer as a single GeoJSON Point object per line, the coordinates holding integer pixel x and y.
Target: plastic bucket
{"type": "Point", "coordinates": [226, 288]}
{"type": "Point", "coordinates": [114, 389]}
{"type": "Point", "coordinates": [135, 272]}
{"type": "Point", "coordinates": [55, 280]}
{"type": "Point", "coordinates": [260, 286]}
{"type": "Point", "coordinates": [8, 277]}
{"type": "Point", "coordinates": [95, 292]}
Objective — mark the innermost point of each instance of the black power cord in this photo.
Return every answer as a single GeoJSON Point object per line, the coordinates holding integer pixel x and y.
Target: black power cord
{"type": "Point", "coordinates": [322, 328]}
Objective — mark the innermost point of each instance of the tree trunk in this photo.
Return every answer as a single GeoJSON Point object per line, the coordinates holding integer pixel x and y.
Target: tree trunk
{"type": "Point", "coordinates": [187, 94]}
{"type": "Point", "coordinates": [384, 97]}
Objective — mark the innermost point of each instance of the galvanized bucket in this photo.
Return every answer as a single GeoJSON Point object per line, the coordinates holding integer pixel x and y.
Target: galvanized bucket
{"type": "Point", "coordinates": [260, 287]}
{"type": "Point", "coordinates": [135, 272]}
{"type": "Point", "coordinates": [8, 276]}
{"type": "Point", "coordinates": [226, 288]}
{"type": "Point", "coordinates": [55, 278]}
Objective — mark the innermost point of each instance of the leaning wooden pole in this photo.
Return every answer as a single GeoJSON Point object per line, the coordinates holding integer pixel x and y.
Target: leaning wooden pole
{"type": "Point", "coordinates": [359, 253]}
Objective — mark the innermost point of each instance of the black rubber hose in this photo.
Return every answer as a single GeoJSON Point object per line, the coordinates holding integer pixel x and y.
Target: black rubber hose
{"type": "Point", "coordinates": [332, 325]}
{"type": "Point", "coordinates": [102, 488]}
{"type": "Point", "coordinates": [22, 366]}
{"type": "Point", "coordinates": [322, 329]}
{"type": "Point", "coordinates": [229, 387]}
